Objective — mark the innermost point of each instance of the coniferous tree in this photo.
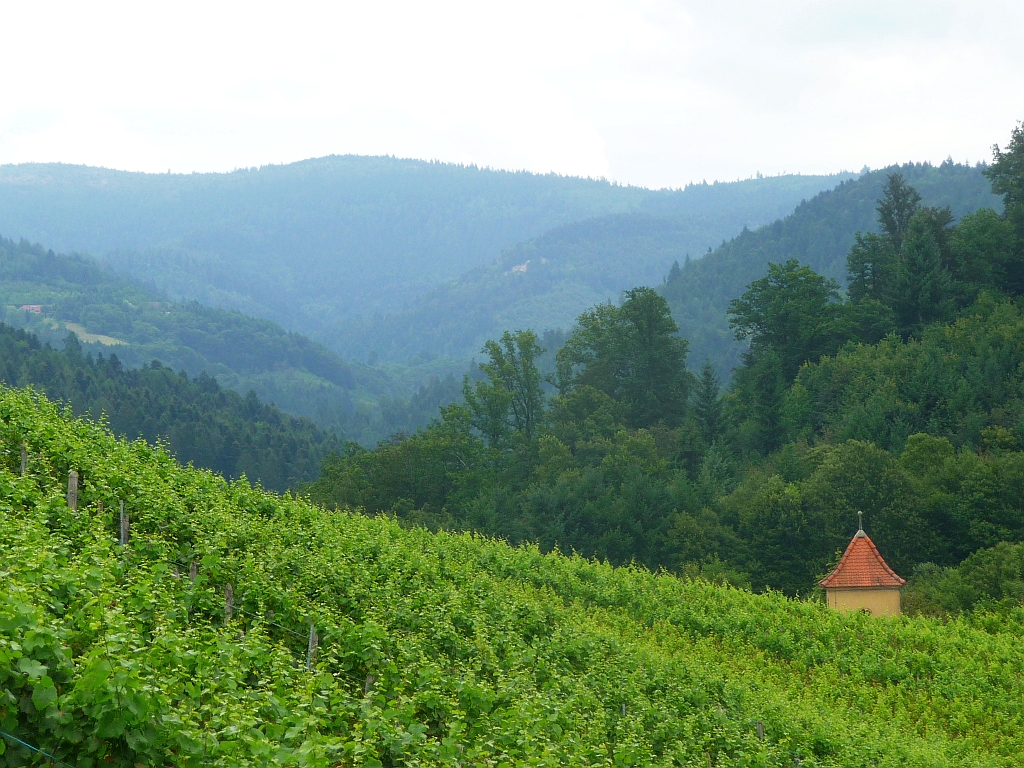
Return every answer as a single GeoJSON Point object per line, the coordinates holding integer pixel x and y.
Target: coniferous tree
{"type": "Point", "coordinates": [674, 272]}
{"type": "Point", "coordinates": [897, 207]}
{"type": "Point", "coordinates": [707, 404]}
{"type": "Point", "coordinates": [922, 288]}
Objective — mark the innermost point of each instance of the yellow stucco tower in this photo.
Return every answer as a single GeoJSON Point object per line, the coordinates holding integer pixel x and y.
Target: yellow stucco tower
{"type": "Point", "coordinates": [862, 581]}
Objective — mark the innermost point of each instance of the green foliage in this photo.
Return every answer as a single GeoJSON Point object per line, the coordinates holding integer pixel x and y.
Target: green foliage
{"type": "Point", "coordinates": [919, 435]}
{"type": "Point", "coordinates": [820, 234]}
{"type": "Point", "coordinates": [953, 382]}
{"type": "Point", "coordinates": [877, 404]}
{"type": "Point", "coordinates": [981, 248]}
{"type": "Point", "coordinates": [198, 421]}
{"type": "Point", "coordinates": [1007, 176]}
{"type": "Point", "coordinates": [919, 272]}
{"type": "Point", "coordinates": [990, 580]}
{"type": "Point", "coordinates": [899, 203]}
{"type": "Point", "coordinates": [756, 403]}
{"type": "Point", "coordinates": [75, 289]}
{"type": "Point", "coordinates": [509, 401]}
{"type": "Point", "coordinates": [434, 649]}
{"type": "Point", "coordinates": [910, 268]}
{"type": "Point", "coordinates": [792, 311]}
{"type": "Point", "coordinates": [633, 355]}
{"type": "Point", "coordinates": [707, 404]}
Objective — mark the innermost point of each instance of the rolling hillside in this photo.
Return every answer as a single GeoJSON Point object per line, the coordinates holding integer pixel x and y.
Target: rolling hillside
{"type": "Point", "coordinates": [544, 283]}
{"type": "Point", "coordinates": [191, 644]}
{"type": "Point", "coordinates": [194, 418]}
{"type": "Point", "coordinates": [818, 233]}
{"type": "Point", "coordinates": [318, 245]}
{"type": "Point", "coordinates": [114, 315]}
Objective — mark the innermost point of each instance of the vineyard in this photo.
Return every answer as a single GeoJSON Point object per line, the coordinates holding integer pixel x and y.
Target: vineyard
{"type": "Point", "coordinates": [238, 627]}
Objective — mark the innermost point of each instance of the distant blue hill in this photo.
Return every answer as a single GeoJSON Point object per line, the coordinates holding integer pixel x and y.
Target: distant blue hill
{"type": "Point", "coordinates": [328, 246]}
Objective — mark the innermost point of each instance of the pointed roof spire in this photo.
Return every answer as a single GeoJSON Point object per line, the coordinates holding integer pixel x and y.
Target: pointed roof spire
{"type": "Point", "coordinates": [861, 565]}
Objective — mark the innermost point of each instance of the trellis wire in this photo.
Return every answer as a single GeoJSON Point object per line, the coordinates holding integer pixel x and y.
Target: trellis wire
{"type": "Point", "coordinates": [37, 750]}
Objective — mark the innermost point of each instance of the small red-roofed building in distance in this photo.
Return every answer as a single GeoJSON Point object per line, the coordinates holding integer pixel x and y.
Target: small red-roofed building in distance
{"type": "Point", "coordinates": [862, 581]}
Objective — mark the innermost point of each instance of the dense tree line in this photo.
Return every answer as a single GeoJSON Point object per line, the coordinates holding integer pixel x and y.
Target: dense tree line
{"type": "Point", "coordinates": [901, 398]}
{"type": "Point", "coordinates": [198, 420]}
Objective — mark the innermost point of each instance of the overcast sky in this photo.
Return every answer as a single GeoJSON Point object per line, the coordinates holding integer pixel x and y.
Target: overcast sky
{"type": "Point", "coordinates": [651, 93]}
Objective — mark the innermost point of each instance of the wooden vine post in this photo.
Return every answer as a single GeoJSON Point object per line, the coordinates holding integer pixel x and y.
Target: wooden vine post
{"type": "Point", "coordinates": [229, 603]}
{"type": "Point", "coordinates": [24, 459]}
{"type": "Point", "coordinates": [193, 571]}
{"type": "Point", "coordinates": [73, 490]}
{"type": "Point", "coordinates": [314, 643]}
{"type": "Point", "coordinates": [124, 526]}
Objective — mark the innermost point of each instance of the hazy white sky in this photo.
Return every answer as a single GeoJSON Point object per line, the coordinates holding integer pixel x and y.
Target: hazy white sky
{"type": "Point", "coordinates": [651, 93]}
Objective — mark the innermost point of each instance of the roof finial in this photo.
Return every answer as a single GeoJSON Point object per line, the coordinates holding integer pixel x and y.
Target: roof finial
{"type": "Point", "coordinates": [860, 524]}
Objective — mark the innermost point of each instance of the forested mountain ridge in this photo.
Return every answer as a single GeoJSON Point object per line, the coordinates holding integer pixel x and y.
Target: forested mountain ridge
{"type": "Point", "coordinates": [305, 244]}
{"type": "Point", "coordinates": [197, 420]}
{"type": "Point", "coordinates": [545, 282]}
{"type": "Point", "coordinates": [819, 233]}
{"type": "Point", "coordinates": [244, 628]}
{"type": "Point", "coordinates": [112, 313]}
{"type": "Point", "coordinates": [313, 245]}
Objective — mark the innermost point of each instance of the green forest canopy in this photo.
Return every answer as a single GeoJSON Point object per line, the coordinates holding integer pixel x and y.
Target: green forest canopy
{"type": "Point", "coordinates": [194, 418]}
{"type": "Point", "coordinates": [545, 282]}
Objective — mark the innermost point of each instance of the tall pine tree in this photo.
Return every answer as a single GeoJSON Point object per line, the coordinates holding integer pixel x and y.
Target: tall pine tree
{"type": "Point", "coordinates": [707, 404]}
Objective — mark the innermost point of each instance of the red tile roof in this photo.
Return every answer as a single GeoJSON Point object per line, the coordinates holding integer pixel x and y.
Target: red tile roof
{"type": "Point", "coordinates": [861, 566]}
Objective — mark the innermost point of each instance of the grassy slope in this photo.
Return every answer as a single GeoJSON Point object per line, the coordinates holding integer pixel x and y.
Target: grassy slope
{"type": "Point", "coordinates": [434, 649]}
{"type": "Point", "coordinates": [819, 233]}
